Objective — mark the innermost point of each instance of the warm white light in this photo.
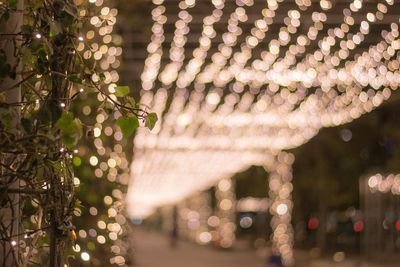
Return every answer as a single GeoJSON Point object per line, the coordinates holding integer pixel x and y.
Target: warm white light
{"type": "Point", "coordinates": [76, 248]}
{"type": "Point", "coordinates": [384, 184]}
{"type": "Point", "coordinates": [205, 237]}
{"type": "Point", "coordinates": [93, 160]}
{"type": "Point", "coordinates": [246, 222]}
{"type": "Point", "coordinates": [372, 181]}
{"type": "Point", "coordinates": [101, 239]}
{"type": "Point", "coordinates": [282, 209]}
{"type": "Point", "coordinates": [85, 256]}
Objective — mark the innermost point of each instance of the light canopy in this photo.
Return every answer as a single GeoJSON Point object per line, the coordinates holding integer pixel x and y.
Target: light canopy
{"type": "Point", "coordinates": [262, 77]}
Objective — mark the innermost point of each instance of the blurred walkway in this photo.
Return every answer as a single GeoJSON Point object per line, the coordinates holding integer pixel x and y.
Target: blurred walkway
{"type": "Point", "coordinates": [152, 250]}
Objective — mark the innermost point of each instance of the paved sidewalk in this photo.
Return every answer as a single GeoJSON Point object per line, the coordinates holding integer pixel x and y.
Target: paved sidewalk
{"type": "Point", "coordinates": [152, 249]}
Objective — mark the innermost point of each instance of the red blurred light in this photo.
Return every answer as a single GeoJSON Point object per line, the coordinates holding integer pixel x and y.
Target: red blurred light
{"type": "Point", "coordinates": [313, 223]}
{"type": "Point", "coordinates": [358, 226]}
{"type": "Point", "coordinates": [397, 225]}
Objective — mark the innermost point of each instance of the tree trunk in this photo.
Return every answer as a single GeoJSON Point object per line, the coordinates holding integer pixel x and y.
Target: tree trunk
{"type": "Point", "coordinates": [9, 207]}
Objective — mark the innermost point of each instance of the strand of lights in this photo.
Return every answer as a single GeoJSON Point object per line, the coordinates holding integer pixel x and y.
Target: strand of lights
{"type": "Point", "coordinates": [226, 202]}
{"type": "Point", "coordinates": [153, 60]}
{"type": "Point", "coordinates": [167, 76]}
{"type": "Point", "coordinates": [384, 184]}
{"type": "Point", "coordinates": [350, 44]}
{"type": "Point", "coordinates": [220, 58]}
{"type": "Point", "coordinates": [179, 97]}
{"type": "Point", "coordinates": [214, 97]}
{"type": "Point", "coordinates": [197, 61]}
{"type": "Point", "coordinates": [280, 189]}
{"type": "Point", "coordinates": [239, 59]}
{"type": "Point", "coordinates": [193, 67]}
{"type": "Point", "coordinates": [203, 206]}
{"type": "Point", "coordinates": [292, 22]}
{"type": "Point", "coordinates": [177, 51]}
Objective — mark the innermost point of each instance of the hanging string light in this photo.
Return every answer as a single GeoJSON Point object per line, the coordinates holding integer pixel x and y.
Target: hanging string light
{"type": "Point", "coordinates": [226, 212]}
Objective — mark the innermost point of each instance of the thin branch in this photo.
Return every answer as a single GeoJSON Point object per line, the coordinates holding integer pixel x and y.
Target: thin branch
{"type": "Point", "coordinates": [26, 191]}
{"type": "Point", "coordinates": [27, 233]}
{"type": "Point", "coordinates": [19, 83]}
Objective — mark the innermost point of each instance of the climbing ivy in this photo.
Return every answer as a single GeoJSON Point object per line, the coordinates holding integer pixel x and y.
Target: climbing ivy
{"type": "Point", "coordinates": [40, 130]}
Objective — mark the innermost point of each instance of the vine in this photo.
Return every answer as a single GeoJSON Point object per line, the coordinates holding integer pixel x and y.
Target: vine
{"type": "Point", "coordinates": [42, 74]}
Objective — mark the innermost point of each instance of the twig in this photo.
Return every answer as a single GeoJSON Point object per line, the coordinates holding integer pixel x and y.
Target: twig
{"type": "Point", "coordinates": [26, 191]}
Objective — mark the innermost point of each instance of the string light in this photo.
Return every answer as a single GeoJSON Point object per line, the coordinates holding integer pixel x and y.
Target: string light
{"type": "Point", "coordinates": [177, 55]}
{"type": "Point", "coordinates": [225, 196]}
{"type": "Point", "coordinates": [384, 184]}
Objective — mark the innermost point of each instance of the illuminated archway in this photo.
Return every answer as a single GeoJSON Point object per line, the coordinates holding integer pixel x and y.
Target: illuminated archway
{"type": "Point", "coordinates": [242, 95]}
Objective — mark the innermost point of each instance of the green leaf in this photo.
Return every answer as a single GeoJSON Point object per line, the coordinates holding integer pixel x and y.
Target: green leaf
{"type": "Point", "coordinates": [65, 120]}
{"type": "Point", "coordinates": [121, 91]}
{"type": "Point", "coordinates": [127, 125]}
{"type": "Point", "coordinates": [151, 120]}
{"type": "Point", "coordinates": [130, 102]}
{"type": "Point", "coordinates": [71, 129]}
